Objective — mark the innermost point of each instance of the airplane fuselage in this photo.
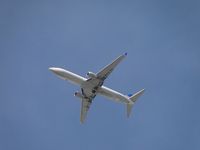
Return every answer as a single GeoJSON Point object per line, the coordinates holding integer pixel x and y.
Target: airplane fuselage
{"type": "Point", "coordinates": [89, 87]}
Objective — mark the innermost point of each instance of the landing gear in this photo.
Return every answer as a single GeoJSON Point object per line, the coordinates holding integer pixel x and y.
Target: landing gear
{"type": "Point", "coordinates": [90, 101]}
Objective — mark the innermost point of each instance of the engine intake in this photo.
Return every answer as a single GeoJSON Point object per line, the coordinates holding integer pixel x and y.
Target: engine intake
{"type": "Point", "coordinates": [78, 94]}
{"type": "Point", "coordinates": [91, 75]}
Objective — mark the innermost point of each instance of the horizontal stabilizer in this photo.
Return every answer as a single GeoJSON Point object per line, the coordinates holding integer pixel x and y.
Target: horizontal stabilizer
{"type": "Point", "coordinates": [133, 98]}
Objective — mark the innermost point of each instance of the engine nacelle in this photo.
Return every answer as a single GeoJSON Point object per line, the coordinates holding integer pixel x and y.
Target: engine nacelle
{"type": "Point", "coordinates": [78, 94]}
{"type": "Point", "coordinates": [91, 75]}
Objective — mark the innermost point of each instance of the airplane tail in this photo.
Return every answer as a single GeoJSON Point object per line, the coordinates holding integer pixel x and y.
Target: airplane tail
{"type": "Point", "coordinates": [133, 99]}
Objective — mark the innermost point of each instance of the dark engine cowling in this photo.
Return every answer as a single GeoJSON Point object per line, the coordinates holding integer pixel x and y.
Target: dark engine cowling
{"type": "Point", "coordinates": [91, 75]}
{"type": "Point", "coordinates": [78, 94]}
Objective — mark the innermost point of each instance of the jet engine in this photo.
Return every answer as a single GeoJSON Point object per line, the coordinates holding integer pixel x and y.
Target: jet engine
{"type": "Point", "coordinates": [78, 94]}
{"type": "Point", "coordinates": [91, 75]}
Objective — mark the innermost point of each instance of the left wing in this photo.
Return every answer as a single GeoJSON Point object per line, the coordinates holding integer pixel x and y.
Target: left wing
{"type": "Point", "coordinates": [85, 105]}
{"type": "Point", "coordinates": [103, 74]}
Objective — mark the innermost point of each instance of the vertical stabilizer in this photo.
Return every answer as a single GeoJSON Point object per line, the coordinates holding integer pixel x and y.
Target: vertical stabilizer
{"type": "Point", "coordinates": [133, 99]}
{"type": "Point", "coordinates": [129, 108]}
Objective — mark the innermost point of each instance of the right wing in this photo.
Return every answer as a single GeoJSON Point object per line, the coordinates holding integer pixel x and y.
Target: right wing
{"type": "Point", "coordinates": [104, 73]}
{"type": "Point", "coordinates": [85, 105]}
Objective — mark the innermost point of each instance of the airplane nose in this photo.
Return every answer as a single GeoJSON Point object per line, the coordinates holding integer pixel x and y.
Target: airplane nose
{"type": "Point", "coordinates": [59, 72]}
{"type": "Point", "coordinates": [56, 70]}
{"type": "Point", "coordinates": [53, 69]}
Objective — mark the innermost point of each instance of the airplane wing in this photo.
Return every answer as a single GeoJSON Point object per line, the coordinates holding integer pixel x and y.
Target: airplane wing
{"type": "Point", "coordinates": [103, 74]}
{"type": "Point", "coordinates": [85, 105]}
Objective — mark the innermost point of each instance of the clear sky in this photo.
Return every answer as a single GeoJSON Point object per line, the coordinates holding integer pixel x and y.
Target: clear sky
{"type": "Point", "coordinates": [38, 110]}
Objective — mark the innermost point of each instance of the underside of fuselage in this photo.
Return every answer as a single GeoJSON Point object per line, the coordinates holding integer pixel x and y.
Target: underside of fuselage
{"type": "Point", "coordinates": [90, 86]}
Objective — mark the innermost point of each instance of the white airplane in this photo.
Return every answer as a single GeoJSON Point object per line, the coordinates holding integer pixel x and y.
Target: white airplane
{"type": "Point", "coordinates": [93, 85]}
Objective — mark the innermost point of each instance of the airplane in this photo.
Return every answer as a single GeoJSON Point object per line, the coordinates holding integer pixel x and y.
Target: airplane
{"type": "Point", "coordinates": [92, 85]}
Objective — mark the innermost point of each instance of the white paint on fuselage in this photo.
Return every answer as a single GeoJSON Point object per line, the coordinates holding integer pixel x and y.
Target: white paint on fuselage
{"type": "Point", "coordinates": [88, 85]}
{"type": "Point", "coordinates": [67, 75]}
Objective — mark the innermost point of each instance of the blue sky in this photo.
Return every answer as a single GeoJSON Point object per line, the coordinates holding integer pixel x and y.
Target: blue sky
{"type": "Point", "coordinates": [39, 111]}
